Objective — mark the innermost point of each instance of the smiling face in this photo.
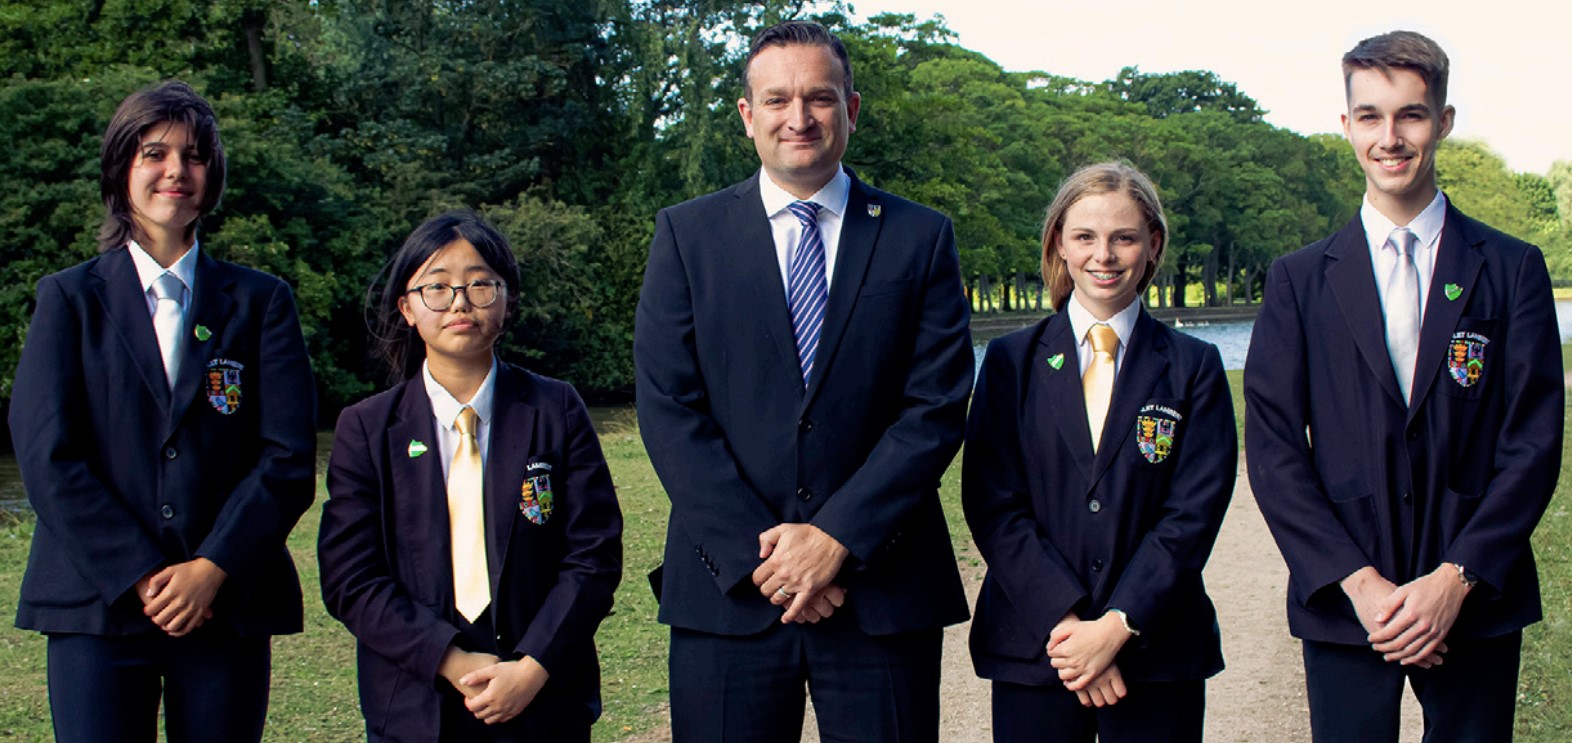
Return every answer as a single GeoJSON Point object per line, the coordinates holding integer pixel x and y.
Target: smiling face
{"type": "Point", "coordinates": [1395, 127]}
{"type": "Point", "coordinates": [463, 333]}
{"type": "Point", "coordinates": [1107, 246]}
{"type": "Point", "coordinates": [167, 181]}
{"type": "Point", "coordinates": [799, 115]}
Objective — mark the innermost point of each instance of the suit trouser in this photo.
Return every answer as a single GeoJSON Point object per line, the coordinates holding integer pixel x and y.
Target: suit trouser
{"type": "Point", "coordinates": [106, 688]}
{"type": "Point", "coordinates": [1172, 712]}
{"type": "Point", "coordinates": [1355, 696]}
{"type": "Point", "coordinates": [750, 689]}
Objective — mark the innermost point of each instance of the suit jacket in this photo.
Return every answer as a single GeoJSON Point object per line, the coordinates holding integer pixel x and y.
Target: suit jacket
{"type": "Point", "coordinates": [126, 476]}
{"type": "Point", "coordinates": [387, 563]}
{"type": "Point", "coordinates": [740, 446]}
{"type": "Point", "coordinates": [1129, 528]}
{"type": "Point", "coordinates": [1349, 476]}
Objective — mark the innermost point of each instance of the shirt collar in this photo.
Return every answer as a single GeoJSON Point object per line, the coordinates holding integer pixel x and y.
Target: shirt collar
{"type": "Point", "coordinates": [148, 270]}
{"type": "Point", "coordinates": [1426, 226]}
{"type": "Point", "coordinates": [1123, 321]}
{"type": "Point", "coordinates": [446, 408]}
{"type": "Point", "coordinates": [832, 196]}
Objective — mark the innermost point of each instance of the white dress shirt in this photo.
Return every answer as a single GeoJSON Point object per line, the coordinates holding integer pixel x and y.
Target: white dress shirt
{"type": "Point", "coordinates": [446, 409]}
{"type": "Point", "coordinates": [787, 229]}
{"type": "Point", "coordinates": [148, 271]}
{"type": "Point", "coordinates": [1427, 232]}
{"type": "Point", "coordinates": [1081, 321]}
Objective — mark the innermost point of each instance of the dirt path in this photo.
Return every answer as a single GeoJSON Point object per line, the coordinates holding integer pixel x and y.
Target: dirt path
{"type": "Point", "coordinates": [1260, 697]}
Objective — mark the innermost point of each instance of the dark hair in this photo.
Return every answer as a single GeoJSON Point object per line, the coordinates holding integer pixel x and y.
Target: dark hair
{"type": "Point", "coordinates": [1404, 50]}
{"type": "Point", "coordinates": [1107, 177]}
{"type": "Point", "coordinates": [787, 33]}
{"type": "Point", "coordinates": [170, 101]}
{"type": "Point", "coordinates": [396, 343]}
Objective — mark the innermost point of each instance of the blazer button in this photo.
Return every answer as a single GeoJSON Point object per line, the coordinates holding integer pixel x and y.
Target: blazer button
{"type": "Point", "coordinates": [170, 453]}
{"type": "Point", "coordinates": [805, 494]}
{"type": "Point", "coordinates": [1094, 506]}
{"type": "Point", "coordinates": [167, 511]}
{"type": "Point", "coordinates": [1408, 497]}
{"type": "Point", "coordinates": [805, 424]}
{"type": "Point", "coordinates": [1097, 566]}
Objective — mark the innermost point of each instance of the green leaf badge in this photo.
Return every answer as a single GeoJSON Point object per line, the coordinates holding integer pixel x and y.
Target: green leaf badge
{"type": "Point", "coordinates": [1056, 361]}
{"type": "Point", "coordinates": [1453, 291]}
{"type": "Point", "coordinates": [416, 448]}
{"type": "Point", "coordinates": [202, 333]}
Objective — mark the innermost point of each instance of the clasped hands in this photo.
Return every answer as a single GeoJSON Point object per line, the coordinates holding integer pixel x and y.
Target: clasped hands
{"type": "Point", "coordinates": [800, 563]}
{"type": "Point", "coordinates": [1083, 651]}
{"type": "Point", "coordinates": [179, 598]}
{"type": "Point", "coordinates": [494, 690]}
{"type": "Point", "coordinates": [1408, 624]}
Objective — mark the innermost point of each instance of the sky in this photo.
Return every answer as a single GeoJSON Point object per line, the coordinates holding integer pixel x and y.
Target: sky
{"type": "Point", "coordinates": [1511, 79]}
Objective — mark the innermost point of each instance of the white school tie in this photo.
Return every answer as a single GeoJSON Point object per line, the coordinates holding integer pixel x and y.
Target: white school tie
{"type": "Point", "coordinates": [168, 321]}
{"type": "Point", "coordinates": [1402, 310]}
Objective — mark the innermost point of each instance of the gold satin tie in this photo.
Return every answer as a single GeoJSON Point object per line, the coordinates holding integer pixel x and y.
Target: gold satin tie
{"type": "Point", "coordinates": [1098, 381]}
{"type": "Point", "coordinates": [467, 521]}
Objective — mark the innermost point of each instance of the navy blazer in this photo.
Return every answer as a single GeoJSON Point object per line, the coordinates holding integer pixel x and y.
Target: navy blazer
{"type": "Point", "coordinates": [1349, 476]}
{"type": "Point", "coordinates": [740, 446]}
{"type": "Point", "coordinates": [1129, 528]}
{"type": "Point", "coordinates": [387, 563]}
{"type": "Point", "coordinates": [126, 477]}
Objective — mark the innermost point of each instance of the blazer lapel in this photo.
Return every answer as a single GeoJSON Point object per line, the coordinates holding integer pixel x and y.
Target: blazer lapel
{"type": "Point", "coordinates": [1352, 279]}
{"type": "Point", "coordinates": [1458, 263]}
{"type": "Point", "coordinates": [414, 457]}
{"type": "Point", "coordinates": [1062, 404]}
{"type": "Point", "coordinates": [512, 428]}
{"type": "Point", "coordinates": [211, 306]}
{"type": "Point", "coordinates": [120, 292]}
{"type": "Point", "coordinates": [1145, 361]}
{"type": "Point", "coordinates": [747, 228]}
{"type": "Point", "coordinates": [859, 233]}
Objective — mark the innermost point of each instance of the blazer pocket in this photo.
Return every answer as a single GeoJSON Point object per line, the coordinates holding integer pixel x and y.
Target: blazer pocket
{"type": "Point", "coordinates": [883, 288]}
{"type": "Point", "coordinates": [1456, 510]}
{"type": "Point", "coordinates": [1355, 509]}
{"type": "Point", "coordinates": [1471, 355]}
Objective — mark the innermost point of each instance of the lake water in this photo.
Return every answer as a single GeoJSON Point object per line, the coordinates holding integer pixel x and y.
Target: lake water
{"type": "Point", "coordinates": [1231, 339]}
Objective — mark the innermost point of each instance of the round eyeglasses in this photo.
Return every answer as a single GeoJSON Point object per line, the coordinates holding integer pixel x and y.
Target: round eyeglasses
{"type": "Point", "coordinates": [438, 297]}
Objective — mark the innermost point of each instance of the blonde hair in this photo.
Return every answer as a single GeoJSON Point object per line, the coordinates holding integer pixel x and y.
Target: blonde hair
{"type": "Point", "coordinates": [1107, 177]}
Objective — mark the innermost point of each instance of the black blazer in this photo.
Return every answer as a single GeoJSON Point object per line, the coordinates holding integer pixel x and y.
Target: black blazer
{"type": "Point", "coordinates": [126, 477]}
{"type": "Point", "coordinates": [740, 446]}
{"type": "Point", "coordinates": [1461, 476]}
{"type": "Point", "coordinates": [387, 564]}
{"type": "Point", "coordinates": [1129, 528]}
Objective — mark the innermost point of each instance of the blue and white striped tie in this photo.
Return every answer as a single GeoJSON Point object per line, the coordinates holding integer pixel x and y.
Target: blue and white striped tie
{"type": "Point", "coordinates": [807, 291]}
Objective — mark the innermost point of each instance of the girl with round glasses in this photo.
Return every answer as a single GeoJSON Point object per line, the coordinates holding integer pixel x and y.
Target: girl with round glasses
{"type": "Point", "coordinates": [471, 540]}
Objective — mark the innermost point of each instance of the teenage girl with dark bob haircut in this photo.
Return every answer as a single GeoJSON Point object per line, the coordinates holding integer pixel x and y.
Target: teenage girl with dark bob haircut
{"type": "Point", "coordinates": [471, 540]}
{"type": "Point", "coordinates": [164, 417]}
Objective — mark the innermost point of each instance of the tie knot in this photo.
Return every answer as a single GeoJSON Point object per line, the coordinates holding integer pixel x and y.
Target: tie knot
{"type": "Point", "coordinates": [466, 421]}
{"type": "Point", "coordinates": [168, 286]}
{"type": "Point", "coordinates": [1403, 240]}
{"type": "Point", "coordinates": [1104, 339]}
{"type": "Point", "coordinates": [806, 212]}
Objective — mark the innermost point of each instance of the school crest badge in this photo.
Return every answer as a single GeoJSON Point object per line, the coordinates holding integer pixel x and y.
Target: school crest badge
{"type": "Point", "coordinates": [223, 385]}
{"type": "Point", "coordinates": [535, 497]}
{"type": "Point", "coordinates": [1156, 431]}
{"type": "Point", "coordinates": [1465, 358]}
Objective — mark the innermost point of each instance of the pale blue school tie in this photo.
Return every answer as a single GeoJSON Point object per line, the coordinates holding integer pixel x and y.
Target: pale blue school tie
{"type": "Point", "coordinates": [168, 320]}
{"type": "Point", "coordinates": [806, 289]}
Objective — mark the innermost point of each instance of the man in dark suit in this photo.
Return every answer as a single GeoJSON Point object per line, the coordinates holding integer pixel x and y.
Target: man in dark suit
{"type": "Point", "coordinates": [164, 418]}
{"type": "Point", "coordinates": [803, 366]}
{"type": "Point", "coordinates": [1404, 423]}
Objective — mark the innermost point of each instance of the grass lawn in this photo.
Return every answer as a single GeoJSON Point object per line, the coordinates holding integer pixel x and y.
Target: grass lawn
{"type": "Point", "coordinates": [314, 696]}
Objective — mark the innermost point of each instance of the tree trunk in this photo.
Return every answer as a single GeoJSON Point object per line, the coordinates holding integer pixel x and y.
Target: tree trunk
{"type": "Point", "coordinates": [252, 23]}
{"type": "Point", "coordinates": [1231, 274]}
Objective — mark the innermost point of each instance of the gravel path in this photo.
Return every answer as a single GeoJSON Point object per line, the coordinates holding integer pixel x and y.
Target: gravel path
{"type": "Point", "coordinates": [1260, 697]}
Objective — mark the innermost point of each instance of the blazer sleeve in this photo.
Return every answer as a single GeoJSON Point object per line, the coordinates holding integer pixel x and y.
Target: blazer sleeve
{"type": "Point", "coordinates": [1316, 546]}
{"type": "Point", "coordinates": [906, 464]}
{"type": "Point", "coordinates": [1528, 448]}
{"type": "Point", "coordinates": [592, 567]}
{"type": "Point", "coordinates": [1170, 556]}
{"type": "Point", "coordinates": [997, 502]}
{"type": "Point", "coordinates": [106, 543]}
{"type": "Point", "coordinates": [710, 499]}
{"type": "Point", "coordinates": [358, 586]}
{"type": "Point", "coordinates": [262, 509]}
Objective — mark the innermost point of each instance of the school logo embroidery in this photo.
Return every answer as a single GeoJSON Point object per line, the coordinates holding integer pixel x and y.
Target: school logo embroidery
{"type": "Point", "coordinates": [536, 498]}
{"type": "Point", "coordinates": [1156, 430]}
{"type": "Point", "coordinates": [1465, 358]}
{"type": "Point", "coordinates": [223, 385]}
